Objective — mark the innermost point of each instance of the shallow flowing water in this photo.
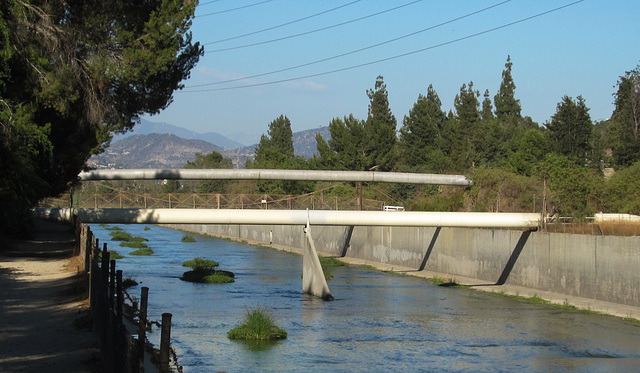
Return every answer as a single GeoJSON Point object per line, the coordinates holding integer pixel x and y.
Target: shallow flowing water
{"type": "Point", "coordinates": [377, 322]}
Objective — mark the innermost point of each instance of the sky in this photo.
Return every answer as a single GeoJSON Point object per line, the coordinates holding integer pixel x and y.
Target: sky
{"type": "Point", "coordinates": [314, 60]}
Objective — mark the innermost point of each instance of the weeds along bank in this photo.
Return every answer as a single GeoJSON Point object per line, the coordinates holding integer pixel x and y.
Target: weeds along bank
{"type": "Point", "coordinates": [598, 268]}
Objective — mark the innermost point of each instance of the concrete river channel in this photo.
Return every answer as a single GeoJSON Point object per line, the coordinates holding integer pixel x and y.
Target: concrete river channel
{"type": "Point", "coordinates": [378, 322]}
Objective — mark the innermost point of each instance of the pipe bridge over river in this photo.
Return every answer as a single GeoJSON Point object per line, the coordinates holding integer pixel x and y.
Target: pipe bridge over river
{"type": "Point", "coordinates": [313, 278]}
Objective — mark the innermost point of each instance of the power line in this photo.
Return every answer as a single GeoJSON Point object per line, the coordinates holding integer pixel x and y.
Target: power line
{"type": "Point", "coordinates": [231, 10]}
{"type": "Point", "coordinates": [283, 24]}
{"type": "Point", "coordinates": [393, 57]}
{"type": "Point", "coordinates": [208, 2]}
{"type": "Point", "coordinates": [353, 51]}
{"type": "Point", "coordinates": [314, 31]}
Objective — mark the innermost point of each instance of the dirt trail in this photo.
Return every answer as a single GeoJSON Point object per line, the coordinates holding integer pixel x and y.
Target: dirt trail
{"type": "Point", "coordinates": [44, 317]}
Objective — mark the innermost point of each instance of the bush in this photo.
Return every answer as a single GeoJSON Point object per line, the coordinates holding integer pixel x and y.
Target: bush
{"type": "Point", "coordinates": [207, 276]}
{"type": "Point", "coordinates": [142, 252]}
{"type": "Point", "coordinates": [258, 325]}
{"type": "Point", "coordinates": [187, 238]}
{"type": "Point", "coordinates": [200, 263]}
{"type": "Point", "coordinates": [120, 236]}
{"type": "Point", "coordinates": [134, 245]}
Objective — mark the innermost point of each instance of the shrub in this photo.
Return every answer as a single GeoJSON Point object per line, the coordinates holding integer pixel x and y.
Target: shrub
{"type": "Point", "coordinates": [187, 238]}
{"type": "Point", "coordinates": [258, 325]}
{"type": "Point", "coordinates": [207, 276]}
{"type": "Point", "coordinates": [200, 263]}
{"type": "Point", "coordinates": [146, 251]}
{"type": "Point", "coordinates": [120, 236]}
{"type": "Point", "coordinates": [134, 244]}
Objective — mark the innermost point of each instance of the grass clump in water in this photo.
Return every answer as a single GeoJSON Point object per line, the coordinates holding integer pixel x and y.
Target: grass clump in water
{"type": "Point", "coordinates": [142, 252]}
{"type": "Point", "coordinates": [258, 325]}
{"type": "Point", "coordinates": [134, 244]}
{"type": "Point", "coordinates": [200, 263]}
{"type": "Point", "coordinates": [327, 263]}
{"type": "Point", "coordinates": [120, 236]}
{"type": "Point", "coordinates": [188, 238]}
{"type": "Point", "coordinates": [446, 282]}
{"type": "Point", "coordinates": [204, 272]}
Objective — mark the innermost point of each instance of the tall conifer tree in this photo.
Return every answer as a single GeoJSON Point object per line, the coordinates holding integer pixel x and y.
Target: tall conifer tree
{"type": "Point", "coordinates": [381, 129]}
{"type": "Point", "coordinates": [507, 106]}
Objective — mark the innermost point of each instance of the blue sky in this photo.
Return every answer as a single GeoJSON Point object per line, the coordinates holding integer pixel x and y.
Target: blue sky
{"type": "Point", "coordinates": [581, 49]}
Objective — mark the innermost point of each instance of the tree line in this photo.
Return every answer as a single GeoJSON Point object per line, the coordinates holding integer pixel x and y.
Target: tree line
{"type": "Point", "coordinates": [513, 161]}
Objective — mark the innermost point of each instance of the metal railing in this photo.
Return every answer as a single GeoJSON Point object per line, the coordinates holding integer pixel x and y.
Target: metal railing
{"type": "Point", "coordinates": [313, 201]}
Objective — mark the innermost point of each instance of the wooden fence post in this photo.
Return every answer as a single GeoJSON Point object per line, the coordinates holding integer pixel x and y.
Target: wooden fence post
{"type": "Point", "coordinates": [112, 283]}
{"type": "Point", "coordinates": [119, 298]}
{"type": "Point", "coordinates": [142, 326]}
{"type": "Point", "coordinates": [165, 338]}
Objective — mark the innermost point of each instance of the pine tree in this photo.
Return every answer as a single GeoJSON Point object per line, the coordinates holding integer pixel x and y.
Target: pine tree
{"type": "Point", "coordinates": [380, 130]}
{"type": "Point", "coordinates": [625, 120]}
{"type": "Point", "coordinates": [570, 129]}
{"type": "Point", "coordinates": [275, 149]}
{"type": "Point", "coordinates": [422, 129]}
{"type": "Point", "coordinates": [507, 107]}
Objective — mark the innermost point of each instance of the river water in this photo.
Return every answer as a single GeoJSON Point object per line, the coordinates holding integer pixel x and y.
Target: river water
{"type": "Point", "coordinates": [377, 322]}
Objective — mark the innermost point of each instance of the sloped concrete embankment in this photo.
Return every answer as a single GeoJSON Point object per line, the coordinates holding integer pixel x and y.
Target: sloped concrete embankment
{"type": "Point", "coordinates": [599, 273]}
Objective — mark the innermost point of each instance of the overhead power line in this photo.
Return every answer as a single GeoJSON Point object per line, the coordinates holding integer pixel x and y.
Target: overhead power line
{"type": "Point", "coordinates": [353, 51]}
{"type": "Point", "coordinates": [283, 24]}
{"type": "Point", "coordinates": [232, 9]}
{"type": "Point", "coordinates": [314, 31]}
{"type": "Point", "coordinates": [392, 57]}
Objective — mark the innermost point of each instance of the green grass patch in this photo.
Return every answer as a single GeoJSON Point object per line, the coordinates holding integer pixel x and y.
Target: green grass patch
{"type": "Point", "coordinates": [134, 244]}
{"type": "Point", "coordinates": [208, 276]}
{"type": "Point", "coordinates": [188, 238]}
{"type": "Point", "coordinates": [142, 252]}
{"type": "Point", "coordinates": [438, 281]}
{"type": "Point", "coordinates": [328, 262]}
{"type": "Point", "coordinates": [114, 229]}
{"type": "Point", "coordinates": [120, 236]}
{"type": "Point", "coordinates": [200, 263]}
{"type": "Point", "coordinates": [258, 324]}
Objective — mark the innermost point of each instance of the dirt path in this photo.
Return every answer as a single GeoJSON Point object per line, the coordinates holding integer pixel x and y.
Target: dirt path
{"type": "Point", "coordinates": [44, 320]}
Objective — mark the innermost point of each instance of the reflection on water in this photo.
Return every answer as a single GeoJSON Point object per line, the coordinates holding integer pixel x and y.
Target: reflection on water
{"type": "Point", "coordinates": [377, 322]}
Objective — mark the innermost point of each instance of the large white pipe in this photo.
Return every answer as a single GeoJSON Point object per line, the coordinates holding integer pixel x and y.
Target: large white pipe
{"type": "Point", "coordinates": [263, 174]}
{"type": "Point", "coordinates": [296, 217]}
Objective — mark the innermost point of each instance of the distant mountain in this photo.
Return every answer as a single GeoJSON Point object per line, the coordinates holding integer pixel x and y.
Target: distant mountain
{"type": "Point", "coordinates": [146, 127]}
{"type": "Point", "coordinates": [151, 151]}
{"type": "Point", "coordinates": [304, 142]}
{"type": "Point", "coordinates": [157, 150]}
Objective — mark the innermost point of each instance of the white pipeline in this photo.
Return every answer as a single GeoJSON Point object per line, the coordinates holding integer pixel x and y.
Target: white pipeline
{"type": "Point", "coordinates": [296, 217]}
{"type": "Point", "coordinates": [261, 174]}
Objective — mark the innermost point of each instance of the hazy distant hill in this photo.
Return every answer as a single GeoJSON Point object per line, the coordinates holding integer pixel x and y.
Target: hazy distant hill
{"type": "Point", "coordinates": [157, 150]}
{"type": "Point", "coordinates": [146, 127]}
{"type": "Point", "coordinates": [151, 151]}
{"type": "Point", "coordinates": [304, 142]}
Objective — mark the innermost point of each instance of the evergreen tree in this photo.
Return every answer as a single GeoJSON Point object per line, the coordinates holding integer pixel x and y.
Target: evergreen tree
{"type": "Point", "coordinates": [422, 129]}
{"type": "Point", "coordinates": [380, 129]}
{"type": "Point", "coordinates": [487, 108]}
{"type": "Point", "coordinates": [213, 160]}
{"type": "Point", "coordinates": [507, 107]}
{"type": "Point", "coordinates": [570, 129]}
{"type": "Point", "coordinates": [625, 120]}
{"type": "Point", "coordinates": [469, 126]}
{"type": "Point", "coordinates": [275, 149]}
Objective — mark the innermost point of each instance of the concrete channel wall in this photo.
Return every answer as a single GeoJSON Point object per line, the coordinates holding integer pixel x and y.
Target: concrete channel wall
{"type": "Point", "coordinates": [604, 268]}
